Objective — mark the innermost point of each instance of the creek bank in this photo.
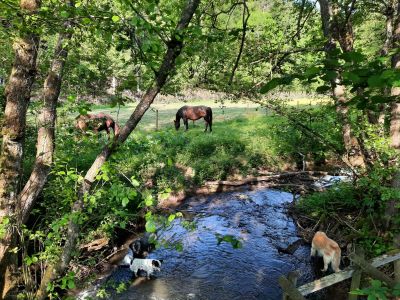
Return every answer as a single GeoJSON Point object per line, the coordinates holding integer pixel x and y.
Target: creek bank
{"type": "Point", "coordinates": [296, 182]}
{"type": "Point", "coordinates": [254, 215]}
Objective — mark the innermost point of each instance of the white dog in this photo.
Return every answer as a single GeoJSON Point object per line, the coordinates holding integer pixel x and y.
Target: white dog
{"type": "Point", "coordinates": [145, 264]}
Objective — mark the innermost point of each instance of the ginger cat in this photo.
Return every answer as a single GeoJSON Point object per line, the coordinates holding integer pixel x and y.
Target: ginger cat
{"type": "Point", "coordinates": [328, 249]}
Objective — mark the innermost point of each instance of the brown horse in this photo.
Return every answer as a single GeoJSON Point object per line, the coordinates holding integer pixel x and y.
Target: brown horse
{"type": "Point", "coordinates": [193, 113]}
{"type": "Point", "coordinates": [97, 122]}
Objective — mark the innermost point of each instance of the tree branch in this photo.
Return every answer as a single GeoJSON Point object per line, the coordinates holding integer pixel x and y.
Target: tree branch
{"type": "Point", "coordinates": [245, 18]}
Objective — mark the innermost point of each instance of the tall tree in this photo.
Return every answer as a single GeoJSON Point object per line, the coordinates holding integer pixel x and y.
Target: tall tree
{"type": "Point", "coordinates": [337, 28]}
{"type": "Point", "coordinates": [395, 107]}
{"type": "Point", "coordinates": [174, 48]}
{"type": "Point", "coordinates": [46, 131]}
{"type": "Point", "coordinates": [17, 93]}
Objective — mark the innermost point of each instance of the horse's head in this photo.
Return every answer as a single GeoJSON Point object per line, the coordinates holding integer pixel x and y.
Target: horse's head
{"type": "Point", "coordinates": [177, 124]}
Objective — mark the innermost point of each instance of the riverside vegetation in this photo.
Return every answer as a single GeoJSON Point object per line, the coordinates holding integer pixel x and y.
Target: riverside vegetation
{"type": "Point", "coordinates": [60, 190]}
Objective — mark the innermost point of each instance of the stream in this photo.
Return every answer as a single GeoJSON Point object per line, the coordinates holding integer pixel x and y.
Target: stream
{"type": "Point", "coordinates": [205, 269]}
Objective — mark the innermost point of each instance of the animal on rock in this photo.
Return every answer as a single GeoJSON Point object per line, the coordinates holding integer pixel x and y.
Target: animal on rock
{"type": "Point", "coordinates": [147, 265]}
{"type": "Point", "coordinates": [328, 249]}
{"type": "Point", "coordinates": [193, 113]}
{"type": "Point", "coordinates": [97, 122]}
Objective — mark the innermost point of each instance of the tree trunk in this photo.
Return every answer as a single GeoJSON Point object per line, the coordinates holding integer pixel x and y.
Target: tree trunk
{"type": "Point", "coordinates": [337, 31]}
{"type": "Point", "coordinates": [46, 131]}
{"type": "Point", "coordinates": [174, 49]}
{"type": "Point", "coordinates": [17, 93]}
{"type": "Point", "coordinates": [395, 107]}
{"type": "Point", "coordinates": [389, 13]}
{"type": "Point", "coordinates": [392, 209]}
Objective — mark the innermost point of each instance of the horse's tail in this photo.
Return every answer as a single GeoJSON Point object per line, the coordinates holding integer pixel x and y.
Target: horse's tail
{"type": "Point", "coordinates": [209, 111]}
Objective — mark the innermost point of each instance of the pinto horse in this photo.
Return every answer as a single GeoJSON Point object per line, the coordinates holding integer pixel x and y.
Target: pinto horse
{"type": "Point", "coordinates": [193, 113]}
{"type": "Point", "coordinates": [97, 122]}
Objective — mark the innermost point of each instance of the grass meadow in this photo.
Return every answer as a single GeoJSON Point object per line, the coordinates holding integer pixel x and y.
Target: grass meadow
{"type": "Point", "coordinates": [245, 138]}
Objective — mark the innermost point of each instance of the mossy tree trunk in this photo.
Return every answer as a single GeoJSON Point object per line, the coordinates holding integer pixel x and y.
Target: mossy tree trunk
{"type": "Point", "coordinates": [17, 95]}
{"type": "Point", "coordinates": [46, 128]}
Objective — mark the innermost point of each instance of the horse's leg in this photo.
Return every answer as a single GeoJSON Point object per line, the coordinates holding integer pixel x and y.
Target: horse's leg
{"type": "Point", "coordinates": [206, 121]}
{"type": "Point", "coordinates": [108, 132]}
{"type": "Point", "coordinates": [185, 121]}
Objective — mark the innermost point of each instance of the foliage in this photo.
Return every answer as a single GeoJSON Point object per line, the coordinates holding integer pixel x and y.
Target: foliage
{"type": "Point", "coordinates": [378, 291]}
{"type": "Point", "coordinates": [368, 197]}
{"type": "Point", "coordinates": [116, 47]}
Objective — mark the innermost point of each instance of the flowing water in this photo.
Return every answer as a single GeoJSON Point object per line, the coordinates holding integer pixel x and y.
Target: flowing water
{"type": "Point", "coordinates": [205, 269]}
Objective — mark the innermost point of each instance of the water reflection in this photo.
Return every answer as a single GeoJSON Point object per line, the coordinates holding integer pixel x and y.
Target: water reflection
{"type": "Point", "coordinates": [206, 270]}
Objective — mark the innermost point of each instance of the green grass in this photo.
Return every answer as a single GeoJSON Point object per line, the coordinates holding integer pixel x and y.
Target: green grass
{"type": "Point", "coordinates": [245, 138]}
{"type": "Point", "coordinates": [166, 113]}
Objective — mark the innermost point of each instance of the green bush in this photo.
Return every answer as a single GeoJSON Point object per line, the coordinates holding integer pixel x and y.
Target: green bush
{"type": "Point", "coordinates": [367, 197]}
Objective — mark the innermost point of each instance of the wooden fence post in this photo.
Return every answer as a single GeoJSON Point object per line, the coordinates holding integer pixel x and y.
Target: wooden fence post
{"type": "Point", "coordinates": [396, 264]}
{"type": "Point", "coordinates": [288, 286]}
{"type": "Point", "coordinates": [292, 277]}
{"type": "Point", "coordinates": [370, 270]}
{"type": "Point", "coordinates": [157, 119]}
{"type": "Point", "coordinates": [355, 281]}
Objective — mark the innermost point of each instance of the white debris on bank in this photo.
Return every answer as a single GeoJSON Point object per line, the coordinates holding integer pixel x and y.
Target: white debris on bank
{"type": "Point", "coordinates": [329, 180]}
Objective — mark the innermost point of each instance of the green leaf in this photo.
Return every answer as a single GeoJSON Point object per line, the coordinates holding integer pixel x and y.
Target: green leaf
{"type": "Point", "coordinates": [329, 75]}
{"type": "Point", "coordinates": [375, 81]}
{"type": "Point", "coordinates": [380, 99]}
{"type": "Point", "coordinates": [353, 56]}
{"type": "Point", "coordinates": [171, 218]}
{"type": "Point", "coordinates": [270, 85]}
{"type": "Point", "coordinates": [134, 182]}
{"type": "Point", "coordinates": [323, 89]}
{"type": "Point", "coordinates": [353, 77]}
{"type": "Point", "coordinates": [179, 247]}
{"type": "Point", "coordinates": [115, 19]}
{"type": "Point", "coordinates": [150, 226]}
{"type": "Point", "coordinates": [64, 14]}
{"type": "Point", "coordinates": [312, 72]}
{"type": "Point", "coordinates": [388, 74]}
{"type": "Point", "coordinates": [148, 201]}
{"type": "Point", "coordinates": [71, 284]}
{"type": "Point", "coordinates": [169, 162]}
{"type": "Point", "coordinates": [86, 21]}
{"type": "Point", "coordinates": [125, 201]}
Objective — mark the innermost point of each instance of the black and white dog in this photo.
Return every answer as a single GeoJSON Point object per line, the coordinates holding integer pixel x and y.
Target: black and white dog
{"type": "Point", "coordinates": [147, 265]}
{"type": "Point", "coordinates": [139, 248]}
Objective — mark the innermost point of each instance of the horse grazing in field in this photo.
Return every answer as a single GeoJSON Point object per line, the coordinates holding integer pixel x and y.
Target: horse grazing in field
{"type": "Point", "coordinates": [97, 122]}
{"type": "Point", "coordinates": [193, 113]}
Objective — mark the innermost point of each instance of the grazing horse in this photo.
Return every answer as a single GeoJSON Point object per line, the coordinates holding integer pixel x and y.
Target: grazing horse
{"type": "Point", "coordinates": [193, 113]}
{"type": "Point", "coordinates": [97, 122]}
